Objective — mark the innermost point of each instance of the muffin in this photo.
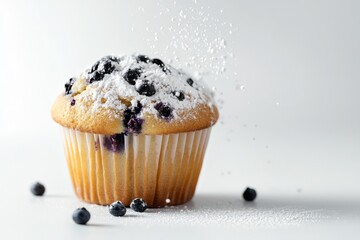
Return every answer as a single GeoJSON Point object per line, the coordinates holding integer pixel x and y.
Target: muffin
{"type": "Point", "coordinates": [135, 127]}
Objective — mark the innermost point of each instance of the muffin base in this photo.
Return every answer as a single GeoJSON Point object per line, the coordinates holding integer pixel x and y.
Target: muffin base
{"type": "Point", "coordinates": [161, 169]}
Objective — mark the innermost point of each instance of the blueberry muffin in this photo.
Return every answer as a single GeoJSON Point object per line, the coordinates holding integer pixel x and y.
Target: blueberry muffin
{"type": "Point", "coordinates": [135, 127]}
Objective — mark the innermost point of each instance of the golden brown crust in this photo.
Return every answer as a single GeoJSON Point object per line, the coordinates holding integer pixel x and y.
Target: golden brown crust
{"type": "Point", "coordinates": [80, 117]}
{"type": "Point", "coordinates": [190, 120]}
{"type": "Point", "coordinates": [109, 121]}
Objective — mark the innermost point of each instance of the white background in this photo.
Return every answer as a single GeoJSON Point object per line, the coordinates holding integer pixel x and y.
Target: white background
{"type": "Point", "coordinates": [290, 112]}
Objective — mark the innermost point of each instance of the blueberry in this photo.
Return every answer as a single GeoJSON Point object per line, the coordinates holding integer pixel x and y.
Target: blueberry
{"type": "Point", "coordinates": [134, 125]}
{"type": "Point", "coordinates": [158, 105]}
{"type": "Point", "coordinates": [131, 75]}
{"type": "Point", "coordinates": [131, 122]}
{"type": "Point", "coordinates": [164, 110]}
{"type": "Point", "coordinates": [158, 62]}
{"type": "Point", "coordinates": [137, 109]}
{"type": "Point", "coordinates": [179, 94]}
{"type": "Point", "coordinates": [143, 58]}
{"type": "Point", "coordinates": [117, 209]}
{"type": "Point", "coordinates": [114, 143]}
{"type": "Point", "coordinates": [81, 216]}
{"type": "Point", "coordinates": [69, 85]}
{"type": "Point", "coordinates": [190, 81]}
{"type": "Point", "coordinates": [108, 67]}
{"type": "Point", "coordinates": [138, 205]}
{"type": "Point", "coordinates": [37, 189]}
{"type": "Point", "coordinates": [249, 194]}
{"type": "Point", "coordinates": [97, 76]}
{"type": "Point", "coordinates": [128, 114]}
{"type": "Point", "coordinates": [72, 103]}
{"type": "Point", "coordinates": [146, 89]}
{"type": "Point", "coordinates": [95, 67]}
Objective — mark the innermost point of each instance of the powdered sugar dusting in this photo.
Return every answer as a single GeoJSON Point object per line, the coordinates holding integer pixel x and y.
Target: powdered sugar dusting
{"type": "Point", "coordinates": [114, 92]}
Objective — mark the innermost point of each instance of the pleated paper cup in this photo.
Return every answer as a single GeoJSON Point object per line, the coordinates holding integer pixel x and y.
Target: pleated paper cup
{"type": "Point", "coordinates": [161, 169]}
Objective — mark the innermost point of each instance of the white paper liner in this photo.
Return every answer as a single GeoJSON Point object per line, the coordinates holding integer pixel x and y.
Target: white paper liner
{"type": "Point", "coordinates": [161, 169]}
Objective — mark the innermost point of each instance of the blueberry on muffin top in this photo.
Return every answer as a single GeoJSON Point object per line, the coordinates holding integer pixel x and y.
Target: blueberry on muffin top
{"type": "Point", "coordinates": [167, 100]}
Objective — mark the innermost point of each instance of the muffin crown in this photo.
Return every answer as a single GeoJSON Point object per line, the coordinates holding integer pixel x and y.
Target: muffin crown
{"type": "Point", "coordinates": [134, 94]}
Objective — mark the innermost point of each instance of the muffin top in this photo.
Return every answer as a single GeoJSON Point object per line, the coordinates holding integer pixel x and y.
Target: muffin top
{"type": "Point", "coordinates": [134, 94]}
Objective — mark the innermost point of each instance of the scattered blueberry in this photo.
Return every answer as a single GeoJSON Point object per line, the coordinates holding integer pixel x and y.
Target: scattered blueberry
{"type": "Point", "coordinates": [249, 194]}
{"type": "Point", "coordinates": [138, 205]}
{"type": "Point", "coordinates": [81, 216]}
{"type": "Point", "coordinates": [102, 67]}
{"type": "Point", "coordinates": [37, 189]}
{"type": "Point", "coordinates": [95, 67]}
{"type": "Point", "coordinates": [114, 143]}
{"type": "Point", "coordinates": [137, 109]}
{"type": "Point", "coordinates": [158, 62]}
{"type": "Point", "coordinates": [128, 113]}
{"type": "Point", "coordinates": [190, 81]}
{"type": "Point", "coordinates": [143, 58]}
{"type": "Point", "coordinates": [179, 94]}
{"type": "Point", "coordinates": [97, 76]}
{"type": "Point", "coordinates": [146, 88]}
{"type": "Point", "coordinates": [117, 209]}
{"type": "Point", "coordinates": [132, 123]}
{"type": "Point", "coordinates": [72, 103]}
{"type": "Point", "coordinates": [131, 75]}
{"type": "Point", "coordinates": [69, 85]}
{"type": "Point", "coordinates": [164, 110]}
{"type": "Point", "coordinates": [108, 67]}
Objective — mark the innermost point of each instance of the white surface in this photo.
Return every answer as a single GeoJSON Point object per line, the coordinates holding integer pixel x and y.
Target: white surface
{"type": "Point", "coordinates": [279, 212]}
{"type": "Point", "coordinates": [293, 127]}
